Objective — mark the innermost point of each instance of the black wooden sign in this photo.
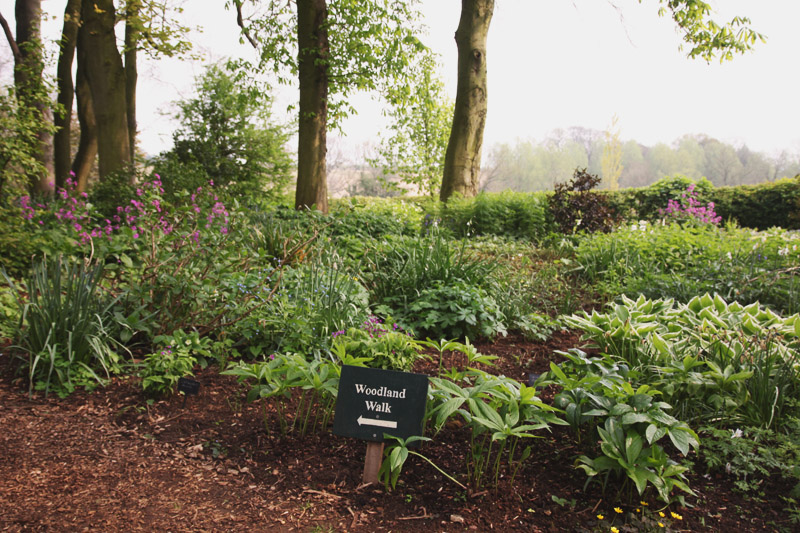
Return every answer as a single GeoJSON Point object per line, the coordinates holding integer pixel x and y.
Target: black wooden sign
{"type": "Point", "coordinates": [188, 386]}
{"type": "Point", "coordinates": [372, 402]}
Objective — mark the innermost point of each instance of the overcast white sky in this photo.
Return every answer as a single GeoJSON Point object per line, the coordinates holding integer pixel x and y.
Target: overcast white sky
{"type": "Point", "coordinates": [555, 64]}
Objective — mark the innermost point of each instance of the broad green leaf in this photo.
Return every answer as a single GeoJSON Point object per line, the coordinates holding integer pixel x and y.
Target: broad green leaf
{"type": "Point", "coordinates": [634, 418]}
{"type": "Point", "coordinates": [680, 439]}
{"type": "Point", "coordinates": [639, 477]}
{"type": "Point", "coordinates": [633, 447]}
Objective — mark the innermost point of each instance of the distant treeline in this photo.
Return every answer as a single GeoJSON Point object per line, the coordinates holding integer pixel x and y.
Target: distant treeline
{"type": "Point", "coordinates": [536, 166]}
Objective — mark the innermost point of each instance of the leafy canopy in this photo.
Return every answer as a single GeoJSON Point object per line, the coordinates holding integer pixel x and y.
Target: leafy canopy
{"type": "Point", "coordinates": [371, 43]}
{"type": "Point", "coordinates": [422, 116]}
{"type": "Point", "coordinates": [706, 37]}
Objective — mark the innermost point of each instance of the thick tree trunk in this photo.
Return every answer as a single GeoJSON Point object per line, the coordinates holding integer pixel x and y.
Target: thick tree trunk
{"type": "Point", "coordinates": [312, 40]}
{"type": "Point", "coordinates": [87, 146]}
{"type": "Point", "coordinates": [462, 164]}
{"type": "Point", "coordinates": [106, 77]}
{"type": "Point", "coordinates": [66, 91]}
{"type": "Point", "coordinates": [131, 72]}
{"type": "Point", "coordinates": [28, 81]}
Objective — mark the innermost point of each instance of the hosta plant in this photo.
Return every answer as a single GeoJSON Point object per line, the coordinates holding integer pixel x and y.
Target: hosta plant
{"type": "Point", "coordinates": [715, 362]}
{"type": "Point", "coordinates": [597, 396]}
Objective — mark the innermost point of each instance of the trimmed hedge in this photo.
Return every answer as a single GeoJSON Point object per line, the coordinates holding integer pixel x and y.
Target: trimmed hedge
{"type": "Point", "coordinates": [510, 214]}
{"type": "Point", "coordinates": [759, 206]}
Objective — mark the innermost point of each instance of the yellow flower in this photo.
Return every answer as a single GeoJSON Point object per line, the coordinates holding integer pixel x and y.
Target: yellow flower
{"type": "Point", "coordinates": [676, 516]}
{"type": "Point", "coordinates": [617, 510]}
{"type": "Point", "coordinates": [614, 530]}
{"type": "Point", "coordinates": [644, 503]}
{"type": "Point", "coordinates": [662, 515]}
{"type": "Point", "coordinates": [638, 510]}
{"type": "Point", "coordinates": [660, 524]}
{"type": "Point", "coordinates": [600, 517]}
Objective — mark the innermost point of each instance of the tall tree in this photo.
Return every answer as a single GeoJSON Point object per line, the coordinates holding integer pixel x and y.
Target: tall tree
{"type": "Point", "coordinates": [330, 48]}
{"type": "Point", "coordinates": [30, 88]}
{"type": "Point", "coordinates": [66, 91]}
{"type": "Point", "coordinates": [133, 32]}
{"type": "Point", "coordinates": [87, 144]}
{"type": "Point", "coordinates": [462, 162]}
{"type": "Point", "coordinates": [612, 156]}
{"type": "Point", "coordinates": [106, 79]}
{"type": "Point", "coordinates": [707, 40]}
{"type": "Point", "coordinates": [312, 70]}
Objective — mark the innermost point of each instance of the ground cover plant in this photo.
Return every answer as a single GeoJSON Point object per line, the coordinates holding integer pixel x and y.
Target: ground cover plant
{"type": "Point", "coordinates": [640, 378]}
{"type": "Point", "coordinates": [683, 260]}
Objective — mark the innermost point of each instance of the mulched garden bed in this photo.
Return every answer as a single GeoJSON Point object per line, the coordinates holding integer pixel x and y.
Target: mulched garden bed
{"type": "Point", "coordinates": [110, 461]}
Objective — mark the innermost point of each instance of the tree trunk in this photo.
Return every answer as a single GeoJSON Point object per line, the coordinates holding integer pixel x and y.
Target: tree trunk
{"type": "Point", "coordinates": [131, 73]}
{"type": "Point", "coordinates": [312, 40]}
{"type": "Point", "coordinates": [462, 164]}
{"type": "Point", "coordinates": [28, 81]}
{"type": "Point", "coordinates": [66, 91]}
{"type": "Point", "coordinates": [87, 145]}
{"type": "Point", "coordinates": [106, 79]}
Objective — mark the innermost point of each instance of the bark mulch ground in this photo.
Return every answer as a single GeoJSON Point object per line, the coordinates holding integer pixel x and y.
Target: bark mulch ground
{"type": "Point", "coordinates": [110, 461]}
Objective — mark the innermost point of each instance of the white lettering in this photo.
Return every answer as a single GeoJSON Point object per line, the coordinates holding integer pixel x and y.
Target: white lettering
{"type": "Point", "coordinates": [382, 391]}
{"type": "Point", "coordinates": [378, 407]}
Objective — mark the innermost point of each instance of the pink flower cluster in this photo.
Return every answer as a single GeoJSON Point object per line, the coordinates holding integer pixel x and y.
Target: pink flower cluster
{"type": "Point", "coordinates": [144, 213]}
{"type": "Point", "coordinates": [374, 326]}
{"type": "Point", "coordinates": [69, 209]}
{"type": "Point", "coordinates": [690, 209]}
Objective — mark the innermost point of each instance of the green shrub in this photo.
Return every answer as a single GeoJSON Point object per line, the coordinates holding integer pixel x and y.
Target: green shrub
{"type": "Point", "coordinates": [275, 379]}
{"type": "Point", "coordinates": [751, 455]}
{"type": "Point", "coordinates": [714, 362]}
{"type": "Point", "coordinates": [379, 345]}
{"type": "Point", "coordinates": [406, 266]}
{"type": "Point", "coordinates": [762, 206]}
{"type": "Point", "coordinates": [9, 311]}
{"type": "Point", "coordinates": [574, 207]}
{"type": "Point", "coordinates": [282, 236]}
{"type": "Point", "coordinates": [680, 262]}
{"type": "Point", "coordinates": [310, 303]}
{"type": "Point", "coordinates": [602, 403]}
{"type": "Point", "coordinates": [501, 414]}
{"type": "Point", "coordinates": [509, 214]}
{"type": "Point", "coordinates": [161, 370]}
{"type": "Point", "coordinates": [19, 242]}
{"type": "Point", "coordinates": [375, 217]}
{"type": "Point", "coordinates": [65, 327]}
{"type": "Point", "coordinates": [453, 310]}
{"type": "Point", "coordinates": [112, 191]}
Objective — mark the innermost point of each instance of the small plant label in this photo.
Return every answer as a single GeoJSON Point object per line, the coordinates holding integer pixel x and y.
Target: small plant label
{"type": "Point", "coordinates": [372, 402]}
{"type": "Point", "coordinates": [188, 386]}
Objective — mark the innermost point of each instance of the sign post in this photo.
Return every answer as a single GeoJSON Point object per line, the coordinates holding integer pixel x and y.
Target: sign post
{"type": "Point", "coordinates": [373, 402]}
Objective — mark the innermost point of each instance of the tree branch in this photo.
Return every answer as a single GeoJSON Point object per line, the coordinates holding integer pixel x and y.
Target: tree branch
{"type": "Point", "coordinates": [240, 22]}
{"type": "Point", "coordinates": [11, 41]}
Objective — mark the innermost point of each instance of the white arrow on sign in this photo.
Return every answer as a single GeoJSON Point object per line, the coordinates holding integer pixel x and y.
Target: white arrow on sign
{"type": "Point", "coordinates": [375, 422]}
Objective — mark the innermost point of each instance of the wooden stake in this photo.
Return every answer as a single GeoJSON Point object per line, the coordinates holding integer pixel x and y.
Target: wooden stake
{"type": "Point", "coordinates": [372, 462]}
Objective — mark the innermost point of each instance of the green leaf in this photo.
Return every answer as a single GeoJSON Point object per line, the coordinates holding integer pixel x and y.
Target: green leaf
{"type": "Point", "coordinates": [654, 433]}
{"type": "Point", "coordinates": [633, 447]}
{"type": "Point", "coordinates": [639, 476]}
{"type": "Point", "coordinates": [660, 344]}
{"type": "Point", "coordinates": [681, 440]}
{"type": "Point", "coordinates": [634, 418]}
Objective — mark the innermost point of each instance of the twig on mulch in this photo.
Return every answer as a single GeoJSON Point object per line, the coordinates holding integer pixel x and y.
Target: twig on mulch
{"type": "Point", "coordinates": [423, 516]}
